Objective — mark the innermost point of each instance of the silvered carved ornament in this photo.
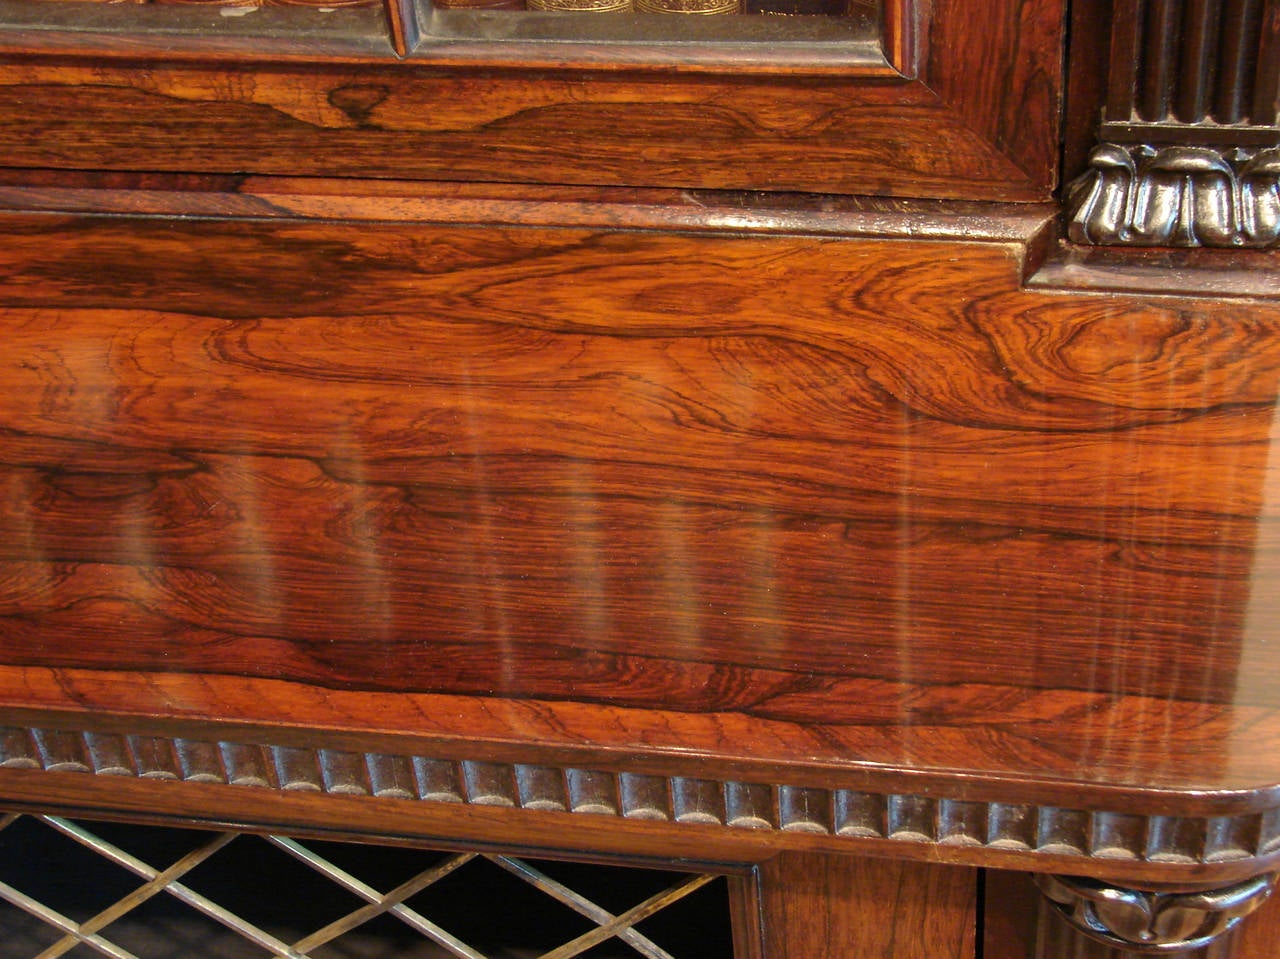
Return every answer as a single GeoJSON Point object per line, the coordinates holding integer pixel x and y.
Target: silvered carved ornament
{"type": "Point", "coordinates": [1152, 922]}
{"type": "Point", "coordinates": [1180, 196]}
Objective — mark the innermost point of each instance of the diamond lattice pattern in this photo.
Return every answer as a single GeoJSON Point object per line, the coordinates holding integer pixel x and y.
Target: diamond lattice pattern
{"type": "Point", "coordinates": [314, 872]}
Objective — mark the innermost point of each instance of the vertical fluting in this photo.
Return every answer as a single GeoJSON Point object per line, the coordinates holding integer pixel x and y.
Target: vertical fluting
{"type": "Point", "coordinates": [1160, 59]}
{"type": "Point", "coordinates": [1126, 55]}
{"type": "Point", "coordinates": [1199, 54]}
{"type": "Point", "coordinates": [1266, 88]}
{"type": "Point", "coordinates": [1195, 62]}
{"type": "Point", "coordinates": [1239, 48]}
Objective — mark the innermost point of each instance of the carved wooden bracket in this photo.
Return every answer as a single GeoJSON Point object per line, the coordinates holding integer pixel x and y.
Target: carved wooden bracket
{"type": "Point", "coordinates": [1153, 922]}
{"type": "Point", "coordinates": [1190, 129]}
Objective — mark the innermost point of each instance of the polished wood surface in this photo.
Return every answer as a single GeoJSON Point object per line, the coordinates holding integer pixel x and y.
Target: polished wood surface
{"type": "Point", "coordinates": [815, 906]}
{"type": "Point", "coordinates": [436, 484]}
{"type": "Point", "coordinates": [570, 471]}
{"type": "Point", "coordinates": [987, 84]}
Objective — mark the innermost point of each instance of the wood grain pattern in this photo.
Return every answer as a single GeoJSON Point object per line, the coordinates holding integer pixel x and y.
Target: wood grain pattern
{"type": "Point", "coordinates": [444, 126]}
{"type": "Point", "coordinates": [541, 113]}
{"type": "Point", "coordinates": [1014, 106]}
{"type": "Point", "coordinates": [821, 907]}
{"type": "Point", "coordinates": [1010, 906]}
{"type": "Point", "coordinates": [851, 513]}
{"type": "Point", "coordinates": [163, 462]}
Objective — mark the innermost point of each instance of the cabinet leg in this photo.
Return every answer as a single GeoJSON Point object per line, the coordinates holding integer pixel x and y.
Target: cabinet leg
{"type": "Point", "coordinates": [1088, 919]}
{"type": "Point", "coordinates": [821, 906]}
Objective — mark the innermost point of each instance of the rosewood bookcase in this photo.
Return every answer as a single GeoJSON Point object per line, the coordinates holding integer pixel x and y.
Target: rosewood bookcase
{"type": "Point", "coordinates": [832, 450]}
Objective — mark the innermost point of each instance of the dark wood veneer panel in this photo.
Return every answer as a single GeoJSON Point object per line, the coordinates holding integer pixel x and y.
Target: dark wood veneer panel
{"type": "Point", "coordinates": [797, 500]}
{"type": "Point", "coordinates": [815, 906]}
{"type": "Point", "coordinates": [1014, 102]}
{"type": "Point", "coordinates": [592, 130]}
{"type": "Point", "coordinates": [504, 205]}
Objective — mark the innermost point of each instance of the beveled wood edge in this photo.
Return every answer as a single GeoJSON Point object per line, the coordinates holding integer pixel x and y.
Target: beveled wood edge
{"type": "Point", "coordinates": [604, 208]}
{"type": "Point", "coordinates": [1050, 262]}
{"type": "Point", "coordinates": [936, 827]}
{"type": "Point", "coordinates": [902, 34]}
{"type": "Point", "coordinates": [866, 47]}
{"type": "Point", "coordinates": [719, 60]}
{"type": "Point", "coordinates": [1063, 266]}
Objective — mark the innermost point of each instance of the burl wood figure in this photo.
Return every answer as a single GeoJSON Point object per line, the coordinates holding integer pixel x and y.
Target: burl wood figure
{"type": "Point", "coordinates": [830, 450]}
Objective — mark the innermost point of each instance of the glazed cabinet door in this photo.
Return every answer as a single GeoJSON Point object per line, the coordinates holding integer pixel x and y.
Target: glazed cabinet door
{"type": "Point", "coordinates": [884, 97]}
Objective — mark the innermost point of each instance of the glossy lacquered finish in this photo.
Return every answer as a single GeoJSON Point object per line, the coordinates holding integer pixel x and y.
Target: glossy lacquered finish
{"type": "Point", "coordinates": [844, 544]}
{"type": "Point", "coordinates": [861, 513]}
{"type": "Point", "coordinates": [957, 101]}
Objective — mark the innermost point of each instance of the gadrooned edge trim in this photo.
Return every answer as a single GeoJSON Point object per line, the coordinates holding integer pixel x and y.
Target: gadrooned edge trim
{"type": "Point", "coordinates": [1016, 828]}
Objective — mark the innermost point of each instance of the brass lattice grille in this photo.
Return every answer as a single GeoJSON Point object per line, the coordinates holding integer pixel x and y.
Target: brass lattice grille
{"type": "Point", "coordinates": [228, 895]}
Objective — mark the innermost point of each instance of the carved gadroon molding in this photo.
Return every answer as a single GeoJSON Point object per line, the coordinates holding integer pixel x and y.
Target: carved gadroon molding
{"type": "Point", "coordinates": [1039, 831]}
{"type": "Point", "coordinates": [1153, 922]}
{"type": "Point", "coordinates": [1177, 196]}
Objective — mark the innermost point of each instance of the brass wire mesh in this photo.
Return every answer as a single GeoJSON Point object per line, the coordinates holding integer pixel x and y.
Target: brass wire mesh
{"type": "Point", "coordinates": [406, 901]}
